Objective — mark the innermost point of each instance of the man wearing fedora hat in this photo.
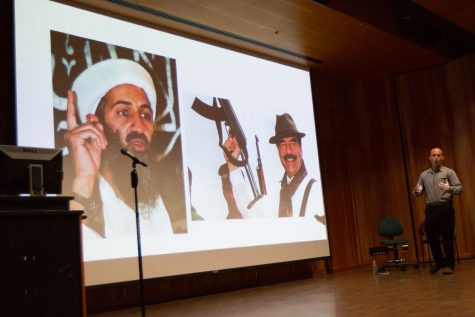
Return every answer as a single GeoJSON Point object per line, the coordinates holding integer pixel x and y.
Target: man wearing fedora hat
{"type": "Point", "coordinates": [289, 145]}
{"type": "Point", "coordinates": [297, 197]}
{"type": "Point", "coordinates": [111, 106]}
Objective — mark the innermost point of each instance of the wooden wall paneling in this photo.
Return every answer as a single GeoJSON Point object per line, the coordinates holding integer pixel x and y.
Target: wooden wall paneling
{"type": "Point", "coordinates": [430, 118]}
{"type": "Point", "coordinates": [362, 165]}
{"type": "Point", "coordinates": [383, 180]}
{"type": "Point", "coordinates": [421, 97]}
{"type": "Point", "coordinates": [461, 89]}
{"type": "Point", "coordinates": [330, 100]}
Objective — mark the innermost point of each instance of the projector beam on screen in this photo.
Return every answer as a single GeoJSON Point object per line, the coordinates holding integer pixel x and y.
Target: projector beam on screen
{"type": "Point", "coordinates": [202, 235]}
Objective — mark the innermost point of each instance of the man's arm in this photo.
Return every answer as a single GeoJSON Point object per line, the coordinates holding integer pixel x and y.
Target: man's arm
{"type": "Point", "coordinates": [315, 207]}
{"type": "Point", "coordinates": [419, 188]}
{"type": "Point", "coordinates": [233, 210]}
{"type": "Point", "coordinates": [454, 184]}
{"type": "Point", "coordinates": [236, 190]}
{"type": "Point", "coordinates": [85, 143]}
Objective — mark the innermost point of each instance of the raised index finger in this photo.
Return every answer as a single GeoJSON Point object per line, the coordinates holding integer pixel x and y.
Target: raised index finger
{"type": "Point", "coordinates": [71, 110]}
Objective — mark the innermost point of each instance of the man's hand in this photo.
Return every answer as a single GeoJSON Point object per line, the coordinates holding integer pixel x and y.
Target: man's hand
{"type": "Point", "coordinates": [444, 185]}
{"type": "Point", "coordinates": [418, 189]}
{"type": "Point", "coordinates": [85, 142]}
{"type": "Point", "coordinates": [232, 146]}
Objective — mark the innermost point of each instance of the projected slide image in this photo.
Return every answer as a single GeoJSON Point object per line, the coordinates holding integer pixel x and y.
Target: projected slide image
{"type": "Point", "coordinates": [229, 139]}
{"type": "Point", "coordinates": [244, 173]}
{"type": "Point", "coordinates": [121, 99]}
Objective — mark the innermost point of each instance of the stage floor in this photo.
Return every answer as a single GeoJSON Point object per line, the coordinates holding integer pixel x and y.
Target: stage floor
{"type": "Point", "coordinates": [414, 292]}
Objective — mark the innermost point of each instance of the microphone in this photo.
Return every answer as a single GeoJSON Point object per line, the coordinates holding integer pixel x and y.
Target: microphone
{"type": "Point", "coordinates": [127, 153]}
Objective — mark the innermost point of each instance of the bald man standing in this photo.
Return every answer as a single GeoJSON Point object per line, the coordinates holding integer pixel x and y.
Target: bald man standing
{"type": "Point", "coordinates": [439, 183]}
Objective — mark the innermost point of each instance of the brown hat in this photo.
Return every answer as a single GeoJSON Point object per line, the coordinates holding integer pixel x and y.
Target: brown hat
{"type": "Point", "coordinates": [285, 127]}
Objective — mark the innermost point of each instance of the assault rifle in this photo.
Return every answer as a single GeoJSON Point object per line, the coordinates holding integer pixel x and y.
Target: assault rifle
{"type": "Point", "coordinates": [222, 112]}
{"type": "Point", "coordinates": [260, 170]}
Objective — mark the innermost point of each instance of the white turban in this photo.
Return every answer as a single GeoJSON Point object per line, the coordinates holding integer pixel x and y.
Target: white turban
{"type": "Point", "coordinates": [94, 82]}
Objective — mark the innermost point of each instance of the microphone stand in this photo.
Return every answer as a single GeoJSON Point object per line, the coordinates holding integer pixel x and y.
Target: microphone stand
{"type": "Point", "coordinates": [134, 181]}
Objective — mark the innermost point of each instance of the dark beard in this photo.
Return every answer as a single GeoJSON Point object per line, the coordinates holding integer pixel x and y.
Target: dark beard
{"type": "Point", "coordinates": [120, 168]}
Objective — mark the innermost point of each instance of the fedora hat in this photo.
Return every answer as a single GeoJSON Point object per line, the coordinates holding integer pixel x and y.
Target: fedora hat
{"type": "Point", "coordinates": [285, 127]}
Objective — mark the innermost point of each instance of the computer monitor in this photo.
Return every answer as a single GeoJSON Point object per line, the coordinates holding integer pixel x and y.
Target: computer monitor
{"type": "Point", "coordinates": [29, 170]}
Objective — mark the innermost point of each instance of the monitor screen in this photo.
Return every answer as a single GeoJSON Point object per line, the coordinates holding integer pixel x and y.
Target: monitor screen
{"type": "Point", "coordinates": [30, 170]}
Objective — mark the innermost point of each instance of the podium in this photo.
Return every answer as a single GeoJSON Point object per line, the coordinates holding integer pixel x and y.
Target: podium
{"type": "Point", "coordinates": [41, 257]}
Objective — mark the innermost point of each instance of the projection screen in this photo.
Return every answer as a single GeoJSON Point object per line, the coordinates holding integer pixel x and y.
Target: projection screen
{"type": "Point", "coordinates": [197, 212]}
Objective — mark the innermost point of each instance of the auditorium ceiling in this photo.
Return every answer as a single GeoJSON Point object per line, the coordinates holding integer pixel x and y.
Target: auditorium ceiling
{"type": "Point", "coordinates": [340, 38]}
